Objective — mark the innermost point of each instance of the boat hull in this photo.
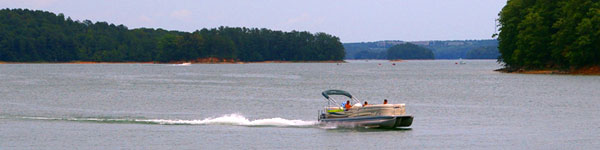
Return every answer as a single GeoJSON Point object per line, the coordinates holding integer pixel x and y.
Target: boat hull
{"type": "Point", "coordinates": [372, 121]}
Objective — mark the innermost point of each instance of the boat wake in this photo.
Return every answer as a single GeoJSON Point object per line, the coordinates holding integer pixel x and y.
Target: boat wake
{"type": "Point", "coordinates": [231, 119]}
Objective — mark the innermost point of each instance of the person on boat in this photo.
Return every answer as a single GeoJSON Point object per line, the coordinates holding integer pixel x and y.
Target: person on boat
{"type": "Point", "coordinates": [384, 101]}
{"type": "Point", "coordinates": [366, 103]}
{"type": "Point", "coordinates": [347, 106]}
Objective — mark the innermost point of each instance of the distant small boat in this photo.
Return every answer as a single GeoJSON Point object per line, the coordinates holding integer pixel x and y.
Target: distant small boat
{"type": "Point", "coordinates": [184, 64]}
{"type": "Point", "coordinates": [460, 62]}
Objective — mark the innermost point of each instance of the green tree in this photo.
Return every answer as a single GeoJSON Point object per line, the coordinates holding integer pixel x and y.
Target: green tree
{"type": "Point", "coordinates": [559, 34]}
{"type": "Point", "coordinates": [27, 35]}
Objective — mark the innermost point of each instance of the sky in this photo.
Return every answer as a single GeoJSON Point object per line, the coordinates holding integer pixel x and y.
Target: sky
{"type": "Point", "coordinates": [350, 20]}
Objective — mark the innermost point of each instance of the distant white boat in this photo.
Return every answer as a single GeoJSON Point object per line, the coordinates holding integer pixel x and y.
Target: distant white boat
{"type": "Point", "coordinates": [460, 62]}
{"type": "Point", "coordinates": [184, 64]}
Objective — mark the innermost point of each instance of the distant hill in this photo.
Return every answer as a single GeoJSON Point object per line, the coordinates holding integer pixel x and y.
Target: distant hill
{"type": "Point", "coordinates": [441, 49]}
{"type": "Point", "coordinates": [486, 52]}
{"type": "Point", "coordinates": [408, 51]}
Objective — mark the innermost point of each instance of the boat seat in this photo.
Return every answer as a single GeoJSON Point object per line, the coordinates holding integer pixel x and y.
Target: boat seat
{"type": "Point", "coordinates": [334, 109]}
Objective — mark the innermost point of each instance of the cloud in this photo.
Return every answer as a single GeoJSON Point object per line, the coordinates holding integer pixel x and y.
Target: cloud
{"type": "Point", "coordinates": [145, 19]}
{"type": "Point", "coordinates": [183, 14]}
{"type": "Point", "coordinates": [302, 18]}
{"type": "Point", "coordinates": [30, 3]}
{"type": "Point", "coordinates": [303, 22]}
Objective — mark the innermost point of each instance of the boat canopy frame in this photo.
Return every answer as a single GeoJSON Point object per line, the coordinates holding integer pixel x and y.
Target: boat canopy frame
{"type": "Point", "coordinates": [327, 94]}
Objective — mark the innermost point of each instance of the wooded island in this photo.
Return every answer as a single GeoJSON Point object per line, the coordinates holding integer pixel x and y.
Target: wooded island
{"type": "Point", "coordinates": [41, 36]}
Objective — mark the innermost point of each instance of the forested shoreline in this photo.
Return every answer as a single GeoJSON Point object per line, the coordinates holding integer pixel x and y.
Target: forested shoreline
{"type": "Point", "coordinates": [41, 36]}
{"type": "Point", "coordinates": [550, 35]}
{"type": "Point", "coordinates": [449, 49]}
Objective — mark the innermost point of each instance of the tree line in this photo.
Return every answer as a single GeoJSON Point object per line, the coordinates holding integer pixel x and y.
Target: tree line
{"type": "Point", "coordinates": [456, 49]}
{"type": "Point", "coordinates": [560, 34]}
{"type": "Point", "coordinates": [409, 51]}
{"type": "Point", "coordinates": [484, 52]}
{"type": "Point", "coordinates": [450, 49]}
{"type": "Point", "coordinates": [41, 36]}
{"type": "Point", "coordinates": [397, 51]}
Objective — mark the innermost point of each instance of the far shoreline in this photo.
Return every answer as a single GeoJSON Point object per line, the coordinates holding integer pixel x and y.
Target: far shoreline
{"type": "Point", "coordinates": [594, 70]}
{"type": "Point", "coordinates": [176, 62]}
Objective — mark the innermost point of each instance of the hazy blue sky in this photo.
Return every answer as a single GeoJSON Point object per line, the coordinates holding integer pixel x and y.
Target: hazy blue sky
{"type": "Point", "coordinates": [351, 20]}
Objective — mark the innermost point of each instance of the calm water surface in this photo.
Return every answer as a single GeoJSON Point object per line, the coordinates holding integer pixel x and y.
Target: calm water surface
{"type": "Point", "coordinates": [274, 106]}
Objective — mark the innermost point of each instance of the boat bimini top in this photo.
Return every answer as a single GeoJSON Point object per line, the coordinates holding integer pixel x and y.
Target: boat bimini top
{"type": "Point", "coordinates": [331, 100]}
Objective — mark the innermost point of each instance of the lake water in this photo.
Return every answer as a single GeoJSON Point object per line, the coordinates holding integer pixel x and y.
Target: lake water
{"type": "Point", "coordinates": [274, 106]}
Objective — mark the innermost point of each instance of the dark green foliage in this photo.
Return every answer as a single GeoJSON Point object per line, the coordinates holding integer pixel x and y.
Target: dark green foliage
{"type": "Point", "coordinates": [486, 52]}
{"type": "Point", "coordinates": [39, 36]}
{"type": "Point", "coordinates": [409, 51]}
{"type": "Point", "coordinates": [550, 34]}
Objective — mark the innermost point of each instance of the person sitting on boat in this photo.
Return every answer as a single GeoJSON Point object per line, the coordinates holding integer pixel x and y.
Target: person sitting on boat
{"type": "Point", "coordinates": [347, 106]}
{"type": "Point", "coordinates": [365, 104]}
{"type": "Point", "coordinates": [384, 101]}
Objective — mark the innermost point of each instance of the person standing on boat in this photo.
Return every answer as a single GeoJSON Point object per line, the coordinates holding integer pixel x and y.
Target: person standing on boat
{"type": "Point", "coordinates": [384, 101]}
{"type": "Point", "coordinates": [348, 106]}
{"type": "Point", "coordinates": [366, 103]}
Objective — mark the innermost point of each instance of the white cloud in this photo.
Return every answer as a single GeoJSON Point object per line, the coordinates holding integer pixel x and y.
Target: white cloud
{"type": "Point", "coordinates": [30, 3]}
{"type": "Point", "coordinates": [145, 19]}
{"type": "Point", "coordinates": [302, 18]}
{"type": "Point", "coordinates": [304, 21]}
{"type": "Point", "coordinates": [182, 14]}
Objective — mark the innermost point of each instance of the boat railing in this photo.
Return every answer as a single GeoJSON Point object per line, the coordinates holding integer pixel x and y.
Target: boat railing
{"type": "Point", "coordinates": [319, 115]}
{"type": "Point", "coordinates": [369, 110]}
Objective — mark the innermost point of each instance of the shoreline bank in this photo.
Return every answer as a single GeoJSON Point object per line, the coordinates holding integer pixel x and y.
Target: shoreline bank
{"type": "Point", "coordinates": [175, 62]}
{"type": "Point", "coordinates": [595, 70]}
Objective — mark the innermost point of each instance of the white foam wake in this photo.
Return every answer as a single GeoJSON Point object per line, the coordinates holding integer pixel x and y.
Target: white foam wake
{"type": "Point", "coordinates": [231, 119]}
{"type": "Point", "coordinates": [235, 119]}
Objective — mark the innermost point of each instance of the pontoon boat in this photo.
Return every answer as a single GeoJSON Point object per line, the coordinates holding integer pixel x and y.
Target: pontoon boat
{"type": "Point", "coordinates": [371, 115]}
